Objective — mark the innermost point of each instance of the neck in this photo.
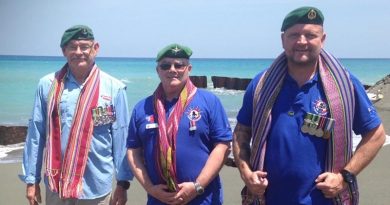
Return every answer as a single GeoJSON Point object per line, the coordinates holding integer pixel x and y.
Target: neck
{"type": "Point", "coordinates": [302, 73]}
{"type": "Point", "coordinates": [169, 96]}
{"type": "Point", "coordinates": [81, 74]}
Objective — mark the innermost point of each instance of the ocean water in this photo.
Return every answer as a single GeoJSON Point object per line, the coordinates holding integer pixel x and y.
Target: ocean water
{"type": "Point", "coordinates": [20, 74]}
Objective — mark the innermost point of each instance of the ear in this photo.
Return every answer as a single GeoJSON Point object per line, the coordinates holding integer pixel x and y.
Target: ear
{"type": "Point", "coordinates": [189, 67]}
{"type": "Point", "coordinates": [323, 40]}
{"type": "Point", "coordinates": [96, 46]}
{"type": "Point", "coordinates": [282, 38]}
{"type": "Point", "coordinates": [63, 51]}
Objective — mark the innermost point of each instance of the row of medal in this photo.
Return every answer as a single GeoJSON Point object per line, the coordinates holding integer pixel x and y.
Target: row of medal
{"type": "Point", "coordinates": [103, 115]}
{"type": "Point", "coordinates": [317, 125]}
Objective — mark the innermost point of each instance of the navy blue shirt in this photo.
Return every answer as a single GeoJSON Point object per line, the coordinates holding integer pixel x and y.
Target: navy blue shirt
{"type": "Point", "coordinates": [192, 147]}
{"type": "Point", "coordinates": [293, 159]}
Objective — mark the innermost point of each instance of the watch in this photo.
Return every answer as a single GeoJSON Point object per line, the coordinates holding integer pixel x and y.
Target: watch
{"type": "Point", "coordinates": [124, 184]}
{"type": "Point", "coordinates": [348, 176]}
{"type": "Point", "coordinates": [198, 188]}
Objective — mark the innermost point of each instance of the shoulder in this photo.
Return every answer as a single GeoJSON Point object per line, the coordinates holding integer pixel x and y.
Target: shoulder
{"type": "Point", "coordinates": [145, 102]}
{"type": "Point", "coordinates": [206, 95]}
{"type": "Point", "coordinates": [108, 79]}
{"type": "Point", "coordinates": [46, 80]}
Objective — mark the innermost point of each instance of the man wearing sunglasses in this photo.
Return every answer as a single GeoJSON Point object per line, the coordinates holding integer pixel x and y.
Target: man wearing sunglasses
{"type": "Point", "coordinates": [79, 124]}
{"type": "Point", "coordinates": [179, 137]}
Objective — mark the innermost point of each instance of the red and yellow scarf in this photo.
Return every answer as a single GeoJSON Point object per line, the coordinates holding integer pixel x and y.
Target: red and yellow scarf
{"type": "Point", "coordinates": [167, 131]}
{"type": "Point", "coordinates": [65, 175]}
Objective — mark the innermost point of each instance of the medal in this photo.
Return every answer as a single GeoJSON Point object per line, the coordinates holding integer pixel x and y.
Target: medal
{"type": "Point", "coordinates": [306, 123]}
{"type": "Point", "coordinates": [313, 125]}
{"type": "Point", "coordinates": [328, 128]}
{"type": "Point", "coordinates": [319, 132]}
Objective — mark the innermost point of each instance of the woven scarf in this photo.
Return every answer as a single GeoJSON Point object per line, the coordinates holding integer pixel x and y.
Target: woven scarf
{"type": "Point", "coordinates": [65, 175]}
{"type": "Point", "coordinates": [167, 131]}
{"type": "Point", "coordinates": [338, 89]}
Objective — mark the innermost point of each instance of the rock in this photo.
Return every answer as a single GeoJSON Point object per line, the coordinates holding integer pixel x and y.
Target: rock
{"type": "Point", "coordinates": [230, 83]}
{"type": "Point", "coordinates": [199, 81]}
{"type": "Point", "coordinates": [12, 134]}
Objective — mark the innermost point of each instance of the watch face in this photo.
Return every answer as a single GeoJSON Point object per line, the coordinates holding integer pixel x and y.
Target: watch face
{"type": "Point", "coordinates": [348, 177]}
{"type": "Point", "coordinates": [198, 188]}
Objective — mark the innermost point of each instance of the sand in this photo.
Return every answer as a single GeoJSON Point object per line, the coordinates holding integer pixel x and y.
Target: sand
{"type": "Point", "coordinates": [374, 184]}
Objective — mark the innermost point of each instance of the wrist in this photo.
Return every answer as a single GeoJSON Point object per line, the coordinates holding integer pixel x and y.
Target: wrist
{"type": "Point", "coordinates": [348, 177]}
{"type": "Point", "coordinates": [124, 184]}
{"type": "Point", "coordinates": [198, 188]}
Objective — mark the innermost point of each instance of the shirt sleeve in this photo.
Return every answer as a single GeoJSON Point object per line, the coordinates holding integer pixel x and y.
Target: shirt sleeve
{"type": "Point", "coordinates": [220, 129]}
{"type": "Point", "coordinates": [119, 135]}
{"type": "Point", "coordinates": [366, 117]}
{"type": "Point", "coordinates": [133, 140]}
{"type": "Point", "coordinates": [35, 139]}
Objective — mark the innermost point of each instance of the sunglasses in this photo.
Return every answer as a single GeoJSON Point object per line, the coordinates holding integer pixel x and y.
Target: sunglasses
{"type": "Point", "coordinates": [167, 66]}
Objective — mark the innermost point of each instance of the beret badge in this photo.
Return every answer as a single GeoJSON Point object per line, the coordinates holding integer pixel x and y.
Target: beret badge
{"type": "Point", "coordinates": [312, 14]}
{"type": "Point", "coordinates": [176, 50]}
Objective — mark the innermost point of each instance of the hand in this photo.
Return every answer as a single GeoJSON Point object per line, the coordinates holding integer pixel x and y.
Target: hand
{"type": "Point", "coordinates": [330, 184]}
{"type": "Point", "coordinates": [186, 192]}
{"type": "Point", "coordinates": [256, 182]}
{"type": "Point", "coordinates": [33, 194]}
{"type": "Point", "coordinates": [161, 193]}
{"type": "Point", "coordinates": [119, 197]}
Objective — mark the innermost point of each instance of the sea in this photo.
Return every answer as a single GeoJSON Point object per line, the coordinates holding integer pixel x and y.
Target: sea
{"type": "Point", "coordinates": [19, 76]}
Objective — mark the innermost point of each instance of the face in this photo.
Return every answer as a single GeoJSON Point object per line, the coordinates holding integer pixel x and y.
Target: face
{"type": "Point", "coordinates": [80, 54]}
{"type": "Point", "coordinates": [302, 43]}
{"type": "Point", "coordinates": [173, 73]}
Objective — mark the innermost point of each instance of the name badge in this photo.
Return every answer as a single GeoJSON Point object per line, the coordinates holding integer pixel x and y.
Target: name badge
{"type": "Point", "coordinates": [151, 125]}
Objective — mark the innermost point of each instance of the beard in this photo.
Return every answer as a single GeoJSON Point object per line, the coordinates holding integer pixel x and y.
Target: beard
{"type": "Point", "coordinates": [306, 59]}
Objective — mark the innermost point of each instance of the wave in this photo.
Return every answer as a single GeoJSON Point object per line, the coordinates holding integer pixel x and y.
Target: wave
{"type": "Point", "coordinates": [223, 91]}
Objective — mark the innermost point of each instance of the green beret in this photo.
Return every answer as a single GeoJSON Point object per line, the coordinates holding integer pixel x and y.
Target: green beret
{"type": "Point", "coordinates": [303, 15]}
{"type": "Point", "coordinates": [78, 32]}
{"type": "Point", "coordinates": [174, 51]}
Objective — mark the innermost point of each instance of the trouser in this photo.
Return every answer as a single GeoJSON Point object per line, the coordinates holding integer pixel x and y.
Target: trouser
{"type": "Point", "coordinates": [52, 198]}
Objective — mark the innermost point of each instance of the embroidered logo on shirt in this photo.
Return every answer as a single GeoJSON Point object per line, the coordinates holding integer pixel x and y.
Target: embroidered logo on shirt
{"type": "Point", "coordinates": [193, 114]}
{"type": "Point", "coordinates": [151, 124]}
{"type": "Point", "coordinates": [320, 107]}
{"type": "Point", "coordinates": [150, 118]}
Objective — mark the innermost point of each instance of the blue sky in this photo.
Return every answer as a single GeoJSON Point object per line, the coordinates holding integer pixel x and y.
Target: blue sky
{"type": "Point", "coordinates": [212, 28]}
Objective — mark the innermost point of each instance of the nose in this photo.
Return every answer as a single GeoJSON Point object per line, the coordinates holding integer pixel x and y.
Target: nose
{"type": "Point", "coordinates": [78, 50]}
{"type": "Point", "coordinates": [302, 39]}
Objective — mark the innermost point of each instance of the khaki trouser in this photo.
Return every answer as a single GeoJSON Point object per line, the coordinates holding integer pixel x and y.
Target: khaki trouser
{"type": "Point", "coordinates": [53, 199]}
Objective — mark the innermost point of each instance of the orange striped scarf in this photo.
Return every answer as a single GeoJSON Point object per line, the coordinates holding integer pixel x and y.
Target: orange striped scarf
{"type": "Point", "coordinates": [65, 175]}
{"type": "Point", "coordinates": [167, 131]}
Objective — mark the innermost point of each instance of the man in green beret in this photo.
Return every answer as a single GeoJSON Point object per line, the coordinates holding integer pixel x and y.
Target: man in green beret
{"type": "Point", "coordinates": [79, 123]}
{"type": "Point", "coordinates": [293, 139]}
{"type": "Point", "coordinates": [179, 137]}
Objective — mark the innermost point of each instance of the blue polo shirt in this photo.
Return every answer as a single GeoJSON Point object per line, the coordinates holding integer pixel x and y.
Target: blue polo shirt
{"type": "Point", "coordinates": [193, 147]}
{"type": "Point", "coordinates": [294, 159]}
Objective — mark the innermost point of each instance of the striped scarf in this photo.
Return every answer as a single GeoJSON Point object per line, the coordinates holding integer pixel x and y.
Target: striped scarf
{"type": "Point", "coordinates": [167, 132]}
{"type": "Point", "coordinates": [65, 175]}
{"type": "Point", "coordinates": [338, 90]}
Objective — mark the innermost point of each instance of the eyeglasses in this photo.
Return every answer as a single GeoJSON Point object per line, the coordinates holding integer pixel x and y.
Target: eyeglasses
{"type": "Point", "coordinates": [83, 48]}
{"type": "Point", "coordinates": [167, 66]}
